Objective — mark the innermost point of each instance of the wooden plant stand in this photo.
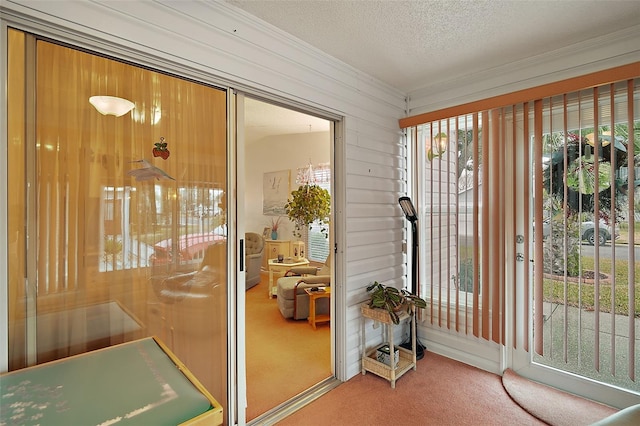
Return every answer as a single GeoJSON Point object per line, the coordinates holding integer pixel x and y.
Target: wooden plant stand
{"type": "Point", "coordinates": [407, 358]}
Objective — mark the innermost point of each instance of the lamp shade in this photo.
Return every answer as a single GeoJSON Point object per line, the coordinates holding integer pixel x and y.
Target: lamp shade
{"type": "Point", "coordinates": [441, 142]}
{"type": "Point", "coordinates": [408, 209]}
{"type": "Point", "coordinates": [111, 105]}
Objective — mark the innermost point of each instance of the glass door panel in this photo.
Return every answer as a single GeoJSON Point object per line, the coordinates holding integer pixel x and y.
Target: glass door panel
{"type": "Point", "coordinates": [120, 228]}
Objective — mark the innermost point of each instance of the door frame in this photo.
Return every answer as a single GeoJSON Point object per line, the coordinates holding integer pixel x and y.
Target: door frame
{"type": "Point", "coordinates": [236, 374]}
{"type": "Point", "coordinates": [338, 327]}
{"type": "Point", "coordinates": [236, 155]}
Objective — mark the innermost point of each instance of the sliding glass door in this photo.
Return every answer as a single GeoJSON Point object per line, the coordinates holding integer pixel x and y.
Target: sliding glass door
{"type": "Point", "coordinates": [587, 291]}
{"type": "Point", "coordinates": [116, 219]}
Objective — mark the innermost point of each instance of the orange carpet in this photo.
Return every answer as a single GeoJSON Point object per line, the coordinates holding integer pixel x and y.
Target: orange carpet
{"type": "Point", "coordinates": [284, 357]}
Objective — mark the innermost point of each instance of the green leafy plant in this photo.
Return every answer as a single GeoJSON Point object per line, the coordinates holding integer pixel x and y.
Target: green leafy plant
{"type": "Point", "coordinates": [581, 175]}
{"type": "Point", "coordinates": [573, 166]}
{"type": "Point", "coordinates": [393, 300]}
{"type": "Point", "coordinates": [307, 204]}
{"type": "Point", "coordinates": [112, 248]}
{"type": "Point", "coordinates": [556, 261]}
{"type": "Point", "coordinates": [112, 245]}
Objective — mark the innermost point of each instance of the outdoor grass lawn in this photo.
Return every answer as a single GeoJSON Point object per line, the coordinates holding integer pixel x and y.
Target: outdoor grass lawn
{"type": "Point", "coordinates": [583, 295]}
{"type": "Point", "coordinates": [624, 233]}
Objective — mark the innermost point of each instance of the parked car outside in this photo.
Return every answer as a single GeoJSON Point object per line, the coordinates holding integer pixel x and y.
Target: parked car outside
{"type": "Point", "coordinates": [587, 232]}
{"type": "Point", "coordinates": [605, 233]}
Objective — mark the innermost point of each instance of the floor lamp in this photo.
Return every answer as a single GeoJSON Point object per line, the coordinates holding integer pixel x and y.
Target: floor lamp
{"type": "Point", "coordinates": [412, 216]}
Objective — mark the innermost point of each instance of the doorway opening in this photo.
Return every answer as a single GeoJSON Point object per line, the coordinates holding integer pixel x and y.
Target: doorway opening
{"type": "Point", "coordinates": [283, 150]}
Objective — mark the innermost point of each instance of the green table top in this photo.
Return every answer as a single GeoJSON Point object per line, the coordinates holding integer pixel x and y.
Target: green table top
{"type": "Point", "coordinates": [133, 383]}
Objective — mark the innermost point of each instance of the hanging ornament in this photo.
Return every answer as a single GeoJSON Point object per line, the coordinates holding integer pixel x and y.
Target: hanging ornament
{"type": "Point", "coordinates": [148, 171]}
{"type": "Point", "coordinates": [160, 149]}
{"type": "Point", "coordinates": [308, 175]}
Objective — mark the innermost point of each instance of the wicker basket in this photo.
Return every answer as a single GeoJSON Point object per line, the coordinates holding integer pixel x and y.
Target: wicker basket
{"type": "Point", "coordinates": [407, 358]}
{"type": "Point", "coordinates": [381, 314]}
{"type": "Point", "coordinates": [371, 364]}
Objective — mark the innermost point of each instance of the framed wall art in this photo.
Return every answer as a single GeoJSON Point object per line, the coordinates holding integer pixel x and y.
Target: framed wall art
{"type": "Point", "coordinates": [275, 192]}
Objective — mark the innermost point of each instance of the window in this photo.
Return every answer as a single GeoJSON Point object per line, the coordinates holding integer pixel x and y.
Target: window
{"type": "Point", "coordinates": [589, 272]}
{"type": "Point", "coordinates": [537, 201]}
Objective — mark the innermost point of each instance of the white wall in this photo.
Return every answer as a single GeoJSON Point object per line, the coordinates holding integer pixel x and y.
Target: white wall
{"type": "Point", "coordinates": [275, 153]}
{"type": "Point", "coordinates": [215, 43]}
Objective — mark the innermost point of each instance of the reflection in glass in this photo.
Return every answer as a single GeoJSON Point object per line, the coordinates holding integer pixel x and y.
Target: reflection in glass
{"type": "Point", "coordinates": [113, 258]}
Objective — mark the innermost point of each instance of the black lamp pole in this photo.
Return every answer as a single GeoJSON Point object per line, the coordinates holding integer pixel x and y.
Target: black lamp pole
{"type": "Point", "coordinates": [414, 258]}
{"type": "Point", "coordinates": [412, 216]}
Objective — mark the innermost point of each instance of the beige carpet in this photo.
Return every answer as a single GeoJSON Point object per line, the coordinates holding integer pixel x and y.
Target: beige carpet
{"type": "Point", "coordinates": [552, 405]}
{"type": "Point", "coordinates": [284, 357]}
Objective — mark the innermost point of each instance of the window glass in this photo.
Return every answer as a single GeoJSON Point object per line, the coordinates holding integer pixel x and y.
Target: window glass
{"type": "Point", "coordinates": [124, 214]}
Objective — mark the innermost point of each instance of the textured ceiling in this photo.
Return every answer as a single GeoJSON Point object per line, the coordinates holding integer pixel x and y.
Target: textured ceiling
{"type": "Point", "coordinates": [413, 44]}
{"type": "Point", "coordinates": [263, 120]}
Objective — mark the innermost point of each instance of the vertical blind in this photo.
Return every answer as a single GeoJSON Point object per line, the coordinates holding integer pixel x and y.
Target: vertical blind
{"type": "Point", "coordinates": [465, 288]}
{"type": "Point", "coordinates": [514, 187]}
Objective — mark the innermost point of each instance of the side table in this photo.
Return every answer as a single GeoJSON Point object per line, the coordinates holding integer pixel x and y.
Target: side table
{"type": "Point", "coordinates": [321, 293]}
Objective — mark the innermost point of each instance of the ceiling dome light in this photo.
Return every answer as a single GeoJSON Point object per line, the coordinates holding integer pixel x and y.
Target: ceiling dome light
{"type": "Point", "coordinates": [111, 105]}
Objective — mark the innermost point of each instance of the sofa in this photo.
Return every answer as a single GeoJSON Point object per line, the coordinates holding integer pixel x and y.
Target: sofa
{"type": "Point", "coordinates": [253, 249]}
{"type": "Point", "coordinates": [293, 301]}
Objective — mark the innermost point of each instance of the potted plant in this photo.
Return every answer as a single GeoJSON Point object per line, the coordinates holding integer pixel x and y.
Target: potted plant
{"type": "Point", "coordinates": [307, 204]}
{"type": "Point", "coordinates": [393, 300]}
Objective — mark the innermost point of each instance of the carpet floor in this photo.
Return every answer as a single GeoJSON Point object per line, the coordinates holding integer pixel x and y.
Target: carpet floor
{"type": "Point", "coordinates": [444, 392]}
{"type": "Point", "coordinates": [552, 405]}
{"type": "Point", "coordinates": [284, 357]}
{"type": "Point", "coordinates": [440, 392]}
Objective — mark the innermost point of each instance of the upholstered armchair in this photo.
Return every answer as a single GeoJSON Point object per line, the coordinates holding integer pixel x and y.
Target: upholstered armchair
{"type": "Point", "coordinates": [196, 285]}
{"type": "Point", "coordinates": [253, 248]}
{"type": "Point", "coordinates": [293, 301]}
{"type": "Point", "coordinates": [190, 308]}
